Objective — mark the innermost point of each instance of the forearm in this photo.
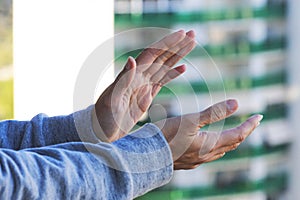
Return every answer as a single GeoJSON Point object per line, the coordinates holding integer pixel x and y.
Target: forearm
{"type": "Point", "coordinates": [149, 157]}
{"type": "Point", "coordinates": [44, 131]}
{"type": "Point", "coordinates": [122, 170]}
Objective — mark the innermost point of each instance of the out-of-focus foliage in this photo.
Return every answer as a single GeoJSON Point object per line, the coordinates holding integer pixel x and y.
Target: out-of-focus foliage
{"type": "Point", "coordinates": [6, 59]}
{"type": "Point", "coordinates": [6, 99]}
{"type": "Point", "coordinates": [5, 33]}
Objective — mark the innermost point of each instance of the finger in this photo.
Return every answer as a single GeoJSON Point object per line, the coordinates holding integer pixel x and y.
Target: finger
{"type": "Point", "coordinates": [186, 43]}
{"type": "Point", "coordinates": [125, 77]}
{"type": "Point", "coordinates": [240, 133]}
{"type": "Point", "coordinates": [215, 157]}
{"type": "Point", "coordinates": [204, 159]}
{"type": "Point", "coordinates": [225, 149]}
{"type": "Point", "coordinates": [165, 67]}
{"type": "Point", "coordinates": [180, 54]}
{"type": "Point", "coordinates": [185, 166]}
{"type": "Point", "coordinates": [172, 74]}
{"type": "Point", "coordinates": [148, 55]}
{"type": "Point", "coordinates": [215, 112]}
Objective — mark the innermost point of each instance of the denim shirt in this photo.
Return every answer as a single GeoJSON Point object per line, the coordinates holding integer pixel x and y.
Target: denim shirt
{"type": "Point", "coordinates": [52, 158]}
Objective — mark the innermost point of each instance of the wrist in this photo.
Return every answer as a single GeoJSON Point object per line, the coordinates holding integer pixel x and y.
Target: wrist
{"type": "Point", "coordinates": [99, 133]}
{"type": "Point", "coordinates": [84, 126]}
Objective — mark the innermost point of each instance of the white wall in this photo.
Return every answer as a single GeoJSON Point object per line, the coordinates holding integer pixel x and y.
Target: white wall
{"type": "Point", "coordinates": [52, 40]}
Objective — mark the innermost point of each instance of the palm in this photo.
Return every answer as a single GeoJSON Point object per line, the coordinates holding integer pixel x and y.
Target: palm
{"type": "Point", "coordinates": [124, 102]}
{"type": "Point", "coordinates": [191, 147]}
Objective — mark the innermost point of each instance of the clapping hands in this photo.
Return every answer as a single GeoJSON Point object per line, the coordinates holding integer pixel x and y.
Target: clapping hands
{"type": "Point", "coordinates": [123, 103]}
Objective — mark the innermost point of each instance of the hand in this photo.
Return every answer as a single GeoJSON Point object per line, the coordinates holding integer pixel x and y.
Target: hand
{"type": "Point", "coordinates": [124, 102]}
{"type": "Point", "coordinates": [191, 147]}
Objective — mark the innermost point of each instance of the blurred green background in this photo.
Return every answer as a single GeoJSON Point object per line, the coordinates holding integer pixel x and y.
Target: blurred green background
{"type": "Point", "coordinates": [248, 42]}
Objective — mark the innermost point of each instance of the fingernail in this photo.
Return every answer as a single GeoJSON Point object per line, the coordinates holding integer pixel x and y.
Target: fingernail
{"type": "Point", "coordinates": [190, 33]}
{"type": "Point", "coordinates": [128, 66]}
{"type": "Point", "coordinates": [259, 117]}
{"type": "Point", "coordinates": [231, 104]}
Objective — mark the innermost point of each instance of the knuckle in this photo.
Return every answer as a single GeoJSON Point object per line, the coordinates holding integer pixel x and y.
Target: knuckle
{"type": "Point", "coordinates": [165, 44]}
{"type": "Point", "coordinates": [193, 167]}
{"type": "Point", "coordinates": [152, 51]}
{"type": "Point", "coordinates": [203, 135]}
{"type": "Point", "coordinates": [234, 146]}
{"type": "Point", "coordinates": [161, 59]}
{"type": "Point", "coordinates": [218, 112]}
{"type": "Point", "coordinates": [240, 137]}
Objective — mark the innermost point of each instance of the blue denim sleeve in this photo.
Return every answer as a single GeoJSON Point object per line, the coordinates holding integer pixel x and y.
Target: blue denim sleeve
{"type": "Point", "coordinates": [44, 131]}
{"type": "Point", "coordinates": [124, 169]}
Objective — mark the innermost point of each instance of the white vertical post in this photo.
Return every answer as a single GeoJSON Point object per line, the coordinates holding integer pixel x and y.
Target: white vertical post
{"type": "Point", "coordinates": [294, 77]}
{"type": "Point", "coordinates": [52, 39]}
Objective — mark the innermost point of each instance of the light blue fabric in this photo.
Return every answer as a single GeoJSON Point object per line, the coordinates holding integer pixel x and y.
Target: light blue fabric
{"type": "Point", "coordinates": [45, 159]}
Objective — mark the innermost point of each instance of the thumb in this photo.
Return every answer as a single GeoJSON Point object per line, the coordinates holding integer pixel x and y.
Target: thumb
{"type": "Point", "coordinates": [126, 76]}
{"type": "Point", "coordinates": [217, 112]}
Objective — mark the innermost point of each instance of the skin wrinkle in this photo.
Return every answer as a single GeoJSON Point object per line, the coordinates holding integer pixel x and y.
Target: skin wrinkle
{"type": "Point", "coordinates": [175, 58]}
{"type": "Point", "coordinates": [166, 65]}
{"type": "Point", "coordinates": [192, 156]}
{"type": "Point", "coordinates": [141, 70]}
{"type": "Point", "coordinates": [187, 146]}
{"type": "Point", "coordinates": [184, 148]}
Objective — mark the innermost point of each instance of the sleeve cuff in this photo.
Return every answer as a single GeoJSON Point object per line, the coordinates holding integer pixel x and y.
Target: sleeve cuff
{"type": "Point", "coordinates": [83, 120]}
{"type": "Point", "coordinates": [149, 158]}
{"type": "Point", "coordinates": [96, 127]}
